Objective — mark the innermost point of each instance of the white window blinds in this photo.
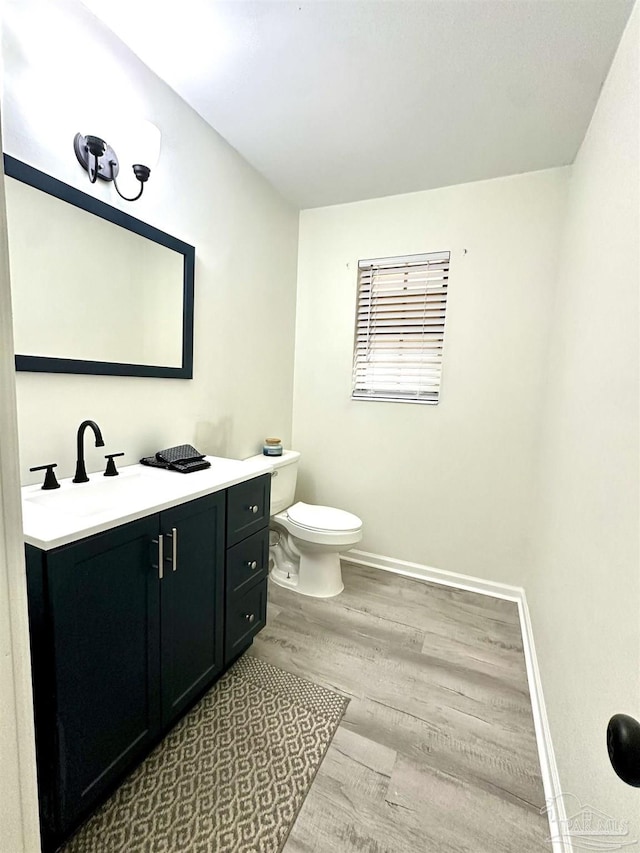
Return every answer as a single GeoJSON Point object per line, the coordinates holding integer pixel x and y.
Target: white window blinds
{"type": "Point", "coordinates": [400, 327]}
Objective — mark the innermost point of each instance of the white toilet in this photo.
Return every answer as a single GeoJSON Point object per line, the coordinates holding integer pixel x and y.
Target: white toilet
{"type": "Point", "coordinates": [305, 540]}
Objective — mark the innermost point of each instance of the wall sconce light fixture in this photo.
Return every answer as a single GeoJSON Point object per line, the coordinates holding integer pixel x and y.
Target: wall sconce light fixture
{"type": "Point", "coordinates": [100, 160]}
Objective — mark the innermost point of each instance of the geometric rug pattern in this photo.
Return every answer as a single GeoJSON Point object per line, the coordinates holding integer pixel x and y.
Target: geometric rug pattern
{"type": "Point", "coordinates": [230, 777]}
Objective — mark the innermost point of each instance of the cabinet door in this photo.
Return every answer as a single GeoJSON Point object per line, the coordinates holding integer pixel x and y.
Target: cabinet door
{"type": "Point", "coordinates": [191, 600]}
{"type": "Point", "coordinates": [103, 604]}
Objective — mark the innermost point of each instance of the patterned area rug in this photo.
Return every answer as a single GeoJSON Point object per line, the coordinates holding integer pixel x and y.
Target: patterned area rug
{"type": "Point", "coordinates": [230, 777]}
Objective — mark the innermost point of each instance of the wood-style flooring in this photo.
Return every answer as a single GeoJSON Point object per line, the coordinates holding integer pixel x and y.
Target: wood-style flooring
{"type": "Point", "coordinates": [437, 750]}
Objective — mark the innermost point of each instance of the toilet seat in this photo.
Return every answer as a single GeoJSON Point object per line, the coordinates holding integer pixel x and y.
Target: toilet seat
{"type": "Point", "coordinates": [345, 530]}
{"type": "Point", "coordinates": [320, 518]}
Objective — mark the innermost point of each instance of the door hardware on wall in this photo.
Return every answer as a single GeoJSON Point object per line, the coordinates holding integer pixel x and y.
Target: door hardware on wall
{"type": "Point", "coordinates": [623, 745]}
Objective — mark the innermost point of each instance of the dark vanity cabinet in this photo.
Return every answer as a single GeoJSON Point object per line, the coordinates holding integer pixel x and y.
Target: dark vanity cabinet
{"type": "Point", "coordinates": [123, 642]}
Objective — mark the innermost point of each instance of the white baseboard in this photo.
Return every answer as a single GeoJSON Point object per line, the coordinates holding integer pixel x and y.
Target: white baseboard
{"type": "Point", "coordinates": [428, 573]}
{"type": "Point", "coordinates": [561, 843]}
{"type": "Point", "coordinates": [550, 778]}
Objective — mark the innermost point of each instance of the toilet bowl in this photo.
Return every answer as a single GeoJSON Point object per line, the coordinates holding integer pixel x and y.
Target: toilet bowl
{"type": "Point", "coordinates": [306, 540]}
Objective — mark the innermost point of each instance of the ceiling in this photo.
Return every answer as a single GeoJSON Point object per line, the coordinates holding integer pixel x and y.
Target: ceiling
{"type": "Point", "coordinates": [342, 101]}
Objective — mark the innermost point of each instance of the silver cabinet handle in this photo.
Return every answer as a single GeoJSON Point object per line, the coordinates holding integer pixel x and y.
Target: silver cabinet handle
{"type": "Point", "coordinates": [252, 564]}
{"type": "Point", "coordinates": [174, 542]}
{"type": "Point", "coordinates": [174, 548]}
{"type": "Point", "coordinates": [160, 543]}
{"type": "Point", "coordinates": [250, 618]}
{"type": "Point", "coordinates": [254, 509]}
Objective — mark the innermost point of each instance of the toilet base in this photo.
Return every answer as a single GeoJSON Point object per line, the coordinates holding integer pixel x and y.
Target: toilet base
{"type": "Point", "coordinates": [282, 579]}
{"type": "Point", "coordinates": [291, 582]}
{"type": "Point", "coordinates": [319, 574]}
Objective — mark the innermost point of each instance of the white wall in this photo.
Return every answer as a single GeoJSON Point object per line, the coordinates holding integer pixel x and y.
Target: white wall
{"type": "Point", "coordinates": [584, 587]}
{"type": "Point", "coordinates": [65, 72]}
{"type": "Point", "coordinates": [19, 826]}
{"type": "Point", "coordinates": [447, 485]}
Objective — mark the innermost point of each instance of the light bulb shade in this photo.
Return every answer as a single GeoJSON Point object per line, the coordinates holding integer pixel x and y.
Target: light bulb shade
{"type": "Point", "coordinates": [135, 141]}
{"type": "Point", "coordinates": [144, 146]}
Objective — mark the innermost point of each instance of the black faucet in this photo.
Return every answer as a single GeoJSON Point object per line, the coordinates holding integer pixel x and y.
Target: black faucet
{"type": "Point", "coordinates": [81, 471]}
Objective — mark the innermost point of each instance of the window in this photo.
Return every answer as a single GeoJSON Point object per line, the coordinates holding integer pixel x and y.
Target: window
{"type": "Point", "coordinates": [400, 328]}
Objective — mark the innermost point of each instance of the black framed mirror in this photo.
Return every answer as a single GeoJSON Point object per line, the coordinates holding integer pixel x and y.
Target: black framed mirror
{"type": "Point", "coordinates": [94, 290]}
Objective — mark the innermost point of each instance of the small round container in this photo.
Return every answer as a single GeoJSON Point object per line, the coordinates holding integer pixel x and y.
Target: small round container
{"type": "Point", "coordinates": [272, 447]}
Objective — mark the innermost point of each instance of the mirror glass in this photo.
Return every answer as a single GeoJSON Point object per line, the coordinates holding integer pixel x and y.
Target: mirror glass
{"type": "Point", "coordinates": [94, 290]}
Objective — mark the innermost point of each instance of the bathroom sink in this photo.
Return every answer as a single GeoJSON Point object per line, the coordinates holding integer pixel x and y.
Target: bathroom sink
{"type": "Point", "coordinates": [57, 517]}
{"type": "Point", "coordinates": [97, 496]}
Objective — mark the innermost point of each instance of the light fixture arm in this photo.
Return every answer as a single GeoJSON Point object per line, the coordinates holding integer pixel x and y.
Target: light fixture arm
{"type": "Point", "coordinates": [93, 173]}
{"type": "Point", "coordinates": [96, 148]}
{"type": "Point", "coordinates": [142, 174]}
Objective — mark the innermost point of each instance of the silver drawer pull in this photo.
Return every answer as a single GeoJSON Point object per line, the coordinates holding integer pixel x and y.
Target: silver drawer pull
{"type": "Point", "coordinates": [159, 542]}
{"type": "Point", "coordinates": [250, 618]}
{"type": "Point", "coordinates": [251, 564]}
{"type": "Point", "coordinates": [254, 509]}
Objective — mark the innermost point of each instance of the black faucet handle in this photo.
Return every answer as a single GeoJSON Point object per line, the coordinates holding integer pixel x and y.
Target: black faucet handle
{"type": "Point", "coordinates": [50, 481]}
{"type": "Point", "coordinates": [111, 470]}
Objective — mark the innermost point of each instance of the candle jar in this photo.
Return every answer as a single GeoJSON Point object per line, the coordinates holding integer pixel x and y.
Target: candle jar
{"type": "Point", "coordinates": [272, 447]}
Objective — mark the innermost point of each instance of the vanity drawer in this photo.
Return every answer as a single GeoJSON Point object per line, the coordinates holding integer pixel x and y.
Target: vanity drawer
{"type": "Point", "coordinates": [247, 508]}
{"type": "Point", "coordinates": [247, 562]}
{"type": "Point", "coordinates": [246, 615]}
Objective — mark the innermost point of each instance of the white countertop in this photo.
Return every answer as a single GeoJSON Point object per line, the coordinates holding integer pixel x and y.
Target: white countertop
{"type": "Point", "coordinates": [83, 509]}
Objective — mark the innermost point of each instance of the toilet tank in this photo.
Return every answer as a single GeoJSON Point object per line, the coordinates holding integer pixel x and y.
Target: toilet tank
{"type": "Point", "coordinates": [283, 480]}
